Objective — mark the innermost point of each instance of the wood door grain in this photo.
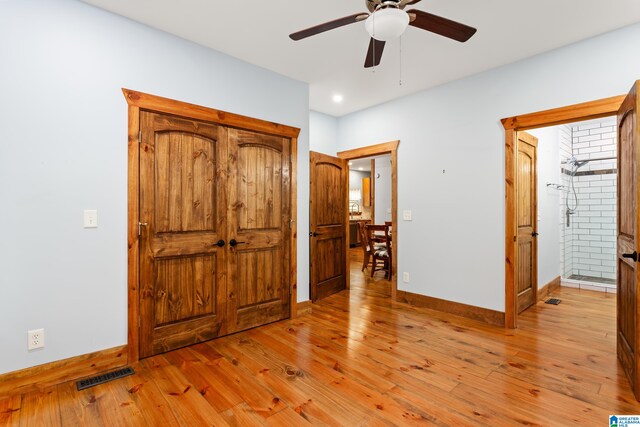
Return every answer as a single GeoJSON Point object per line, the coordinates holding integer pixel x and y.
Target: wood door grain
{"type": "Point", "coordinates": [527, 214]}
{"type": "Point", "coordinates": [328, 225]}
{"type": "Point", "coordinates": [183, 204]}
{"type": "Point", "coordinates": [259, 221]}
{"type": "Point", "coordinates": [628, 239]}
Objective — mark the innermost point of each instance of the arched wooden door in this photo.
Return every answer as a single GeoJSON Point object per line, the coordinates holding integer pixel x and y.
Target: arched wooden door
{"type": "Point", "coordinates": [215, 237]}
{"type": "Point", "coordinates": [527, 216]}
{"type": "Point", "coordinates": [259, 234]}
{"type": "Point", "coordinates": [628, 239]}
{"type": "Point", "coordinates": [328, 225]}
{"type": "Point", "coordinates": [183, 214]}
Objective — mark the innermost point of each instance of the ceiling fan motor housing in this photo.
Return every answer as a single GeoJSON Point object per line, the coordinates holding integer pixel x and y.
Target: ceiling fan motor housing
{"type": "Point", "coordinates": [373, 5]}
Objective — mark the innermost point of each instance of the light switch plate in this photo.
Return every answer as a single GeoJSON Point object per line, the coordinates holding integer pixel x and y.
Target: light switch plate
{"type": "Point", "coordinates": [90, 218]}
{"type": "Point", "coordinates": [406, 215]}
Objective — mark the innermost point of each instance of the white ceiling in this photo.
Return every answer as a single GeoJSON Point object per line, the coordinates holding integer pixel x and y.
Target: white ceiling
{"type": "Point", "coordinates": [257, 31]}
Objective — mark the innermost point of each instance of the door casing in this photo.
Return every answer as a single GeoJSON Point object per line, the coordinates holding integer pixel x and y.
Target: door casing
{"type": "Point", "coordinates": [141, 101]}
{"type": "Point", "coordinates": [557, 116]}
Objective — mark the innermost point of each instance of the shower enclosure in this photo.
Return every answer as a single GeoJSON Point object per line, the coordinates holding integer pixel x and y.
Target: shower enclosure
{"type": "Point", "coordinates": [588, 205]}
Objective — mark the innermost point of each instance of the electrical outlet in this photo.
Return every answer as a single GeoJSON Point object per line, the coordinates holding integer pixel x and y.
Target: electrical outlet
{"type": "Point", "coordinates": [36, 339]}
{"type": "Point", "coordinates": [405, 277]}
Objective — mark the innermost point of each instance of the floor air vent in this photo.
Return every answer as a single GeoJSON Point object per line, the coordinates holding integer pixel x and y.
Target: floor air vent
{"type": "Point", "coordinates": [554, 301]}
{"type": "Point", "coordinates": [109, 376]}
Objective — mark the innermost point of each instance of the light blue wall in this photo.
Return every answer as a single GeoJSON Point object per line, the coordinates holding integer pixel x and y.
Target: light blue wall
{"type": "Point", "coordinates": [63, 124]}
{"type": "Point", "coordinates": [355, 182]}
{"type": "Point", "coordinates": [549, 201]}
{"type": "Point", "coordinates": [451, 158]}
{"type": "Point", "coordinates": [323, 133]}
{"type": "Point", "coordinates": [383, 189]}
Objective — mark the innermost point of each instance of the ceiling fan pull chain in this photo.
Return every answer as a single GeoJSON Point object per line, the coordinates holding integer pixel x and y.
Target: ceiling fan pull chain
{"type": "Point", "coordinates": [400, 60]}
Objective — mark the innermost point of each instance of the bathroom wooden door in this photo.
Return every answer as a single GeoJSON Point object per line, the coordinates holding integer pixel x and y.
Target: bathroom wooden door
{"type": "Point", "coordinates": [527, 215]}
{"type": "Point", "coordinates": [328, 225]}
{"type": "Point", "coordinates": [628, 239]}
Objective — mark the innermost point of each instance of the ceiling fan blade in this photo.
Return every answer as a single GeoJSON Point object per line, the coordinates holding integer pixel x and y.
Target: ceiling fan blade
{"type": "Point", "coordinates": [404, 3]}
{"type": "Point", "coordinates": [439, 25]}
{"type": "Point", "coordinates": [375, 46]}
{"type": "Point", "coordinates": [351, 19]}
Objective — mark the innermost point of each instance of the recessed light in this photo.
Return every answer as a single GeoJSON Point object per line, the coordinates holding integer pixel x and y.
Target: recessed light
{"type": "Point", "coordinates": [360, 169]}
{"type": "Point", "coordinates": [350, 163]}
{"type": "Point", "coordinates": [337, 98]}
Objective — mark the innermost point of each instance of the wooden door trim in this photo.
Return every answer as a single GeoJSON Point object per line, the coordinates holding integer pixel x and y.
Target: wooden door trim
{"type": "Point", "coordinates": [139, 100]}
{"type": "Point", "coordinates": [376, 150]}
{"type": "Point", "coordinates": [370, 150]}
{"type": "Point", "coordinates": [372, 188]}
{"type": "Point", "coordinates": [293, 207]}
{"type": "Point", "coordinates": [133, 241]}
{"type": "Point", "coordinates": [571, 113]}
{"type": "Point", "coordinates": [556, 116]}
{"type": "Point", "coordinates": [192, 111]}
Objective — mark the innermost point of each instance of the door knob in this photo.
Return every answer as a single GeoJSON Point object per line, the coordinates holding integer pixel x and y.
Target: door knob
{"type": "Point", "coordinates": [220, 243]}
{"type": "Point", "coordinates": [633, 256]}
{"type": "Point", "coordinates": [314, 234]}
{"type": "Point", "coordinates": [234, 242]}
{"type": "Point", "coordinates": [534, 234]}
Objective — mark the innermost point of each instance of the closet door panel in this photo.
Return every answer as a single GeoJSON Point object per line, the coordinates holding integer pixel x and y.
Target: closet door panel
{"type": "Point", "coordinates": [259, 213]}
{"type": "Point", "coordinates": [182, 289]}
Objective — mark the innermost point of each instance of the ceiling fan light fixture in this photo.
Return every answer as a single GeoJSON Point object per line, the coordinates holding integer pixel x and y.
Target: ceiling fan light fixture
{"type": "Point", "coordinates": [387, 24]}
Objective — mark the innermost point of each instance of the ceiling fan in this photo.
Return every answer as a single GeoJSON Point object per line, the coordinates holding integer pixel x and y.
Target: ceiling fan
{"type": "Point", "coordinates": [387, 20]}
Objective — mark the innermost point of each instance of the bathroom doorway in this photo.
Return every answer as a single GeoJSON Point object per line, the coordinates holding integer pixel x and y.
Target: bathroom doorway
{"type": "Point", "coordinates": [549, 216]}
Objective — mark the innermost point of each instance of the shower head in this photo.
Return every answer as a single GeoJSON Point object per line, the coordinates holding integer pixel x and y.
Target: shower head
{"type": "Point", "coordinates": [579, 164]}
{"type": "Point", "coordinates": [575, 163]}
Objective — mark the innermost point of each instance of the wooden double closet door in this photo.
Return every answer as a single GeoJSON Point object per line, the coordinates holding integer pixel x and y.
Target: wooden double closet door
{"type": "Point", "coordinates": [214, 209]}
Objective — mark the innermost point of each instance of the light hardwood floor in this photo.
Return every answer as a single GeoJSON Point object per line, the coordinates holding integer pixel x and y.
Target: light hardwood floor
{"type": "Point", "coordinates": [360, 359]}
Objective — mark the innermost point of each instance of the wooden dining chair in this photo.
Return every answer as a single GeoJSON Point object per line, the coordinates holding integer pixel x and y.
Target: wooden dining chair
{"type": "Point", "coordinates": [389, 225]}
{"type": "Point", "coordinates": [364, 242]}
{"type": "Point", "coordinates": [380, 234]}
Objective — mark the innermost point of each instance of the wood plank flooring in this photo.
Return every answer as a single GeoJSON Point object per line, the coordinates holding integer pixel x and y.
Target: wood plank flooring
{"type": "Point", "coordinates": [360, 359]}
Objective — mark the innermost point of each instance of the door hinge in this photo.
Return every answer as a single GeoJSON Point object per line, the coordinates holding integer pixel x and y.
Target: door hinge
{"type": "Point", "coordinates": [138, 321]}
{"type": "Point", "coordinates": [140, 137]}
{"type": "Point", "coordinates": [291, 221]}
{"type": "Point", "coordinates": [140, 225]}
